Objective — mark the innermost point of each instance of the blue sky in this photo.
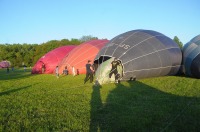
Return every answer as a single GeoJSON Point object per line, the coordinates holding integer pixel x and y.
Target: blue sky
{"type": "Point", "coordinates": [38, 21]}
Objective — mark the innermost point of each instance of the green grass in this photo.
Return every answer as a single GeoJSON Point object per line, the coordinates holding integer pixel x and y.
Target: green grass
{"type": "Point", "coordinates": [45, 103]}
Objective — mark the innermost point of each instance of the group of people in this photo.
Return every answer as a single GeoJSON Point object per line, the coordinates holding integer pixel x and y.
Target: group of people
{"type": "Point", "coordinates": [8, 69]}
{"type": "Point", "coordinates": [66, 71]}
{"type": "Point", "coordinates": [90, 70]}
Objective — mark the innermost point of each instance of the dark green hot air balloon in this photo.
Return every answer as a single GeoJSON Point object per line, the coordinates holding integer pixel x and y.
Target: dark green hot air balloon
{"type": "Point", "coordinates": [191, 57]}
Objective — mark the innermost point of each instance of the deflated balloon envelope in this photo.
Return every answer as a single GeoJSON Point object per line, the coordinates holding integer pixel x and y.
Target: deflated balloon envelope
{"type": "Point", "coordinates": [51, 59]}
{"type": "Point", "coordinates": [191, 57]}
{"type": "Point", "coordinates": [80, 55]}
{"type": "Point", "coordinates": [142, 53]}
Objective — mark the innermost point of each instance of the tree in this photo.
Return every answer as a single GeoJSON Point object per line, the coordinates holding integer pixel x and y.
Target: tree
{"type": "Point", "coordinates": [28, 54]}
{"type": "Point", "coordinates": [176, 39]}
{"type": "Point", "coordinates": [75, 41]}
{"type": "Point", "coordinates": [87, 38]}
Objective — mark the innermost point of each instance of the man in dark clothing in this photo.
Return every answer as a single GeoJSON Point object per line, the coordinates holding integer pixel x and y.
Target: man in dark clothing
{"type": "Point", "coordinates": [89, 72]}
{"type": "Point", "coordinates": [8, 69]}
{"type": "Point", "coordinates": [113, 70]}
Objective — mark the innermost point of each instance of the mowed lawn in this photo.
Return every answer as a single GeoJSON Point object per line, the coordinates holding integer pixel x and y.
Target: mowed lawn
{"type": "Point", "coordinates": [45, 103]}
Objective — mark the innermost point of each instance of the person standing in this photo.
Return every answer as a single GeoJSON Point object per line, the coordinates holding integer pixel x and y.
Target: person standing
{"type": "Point", "coordinates": [77, 72]}
{"type": "Point", "coordinates": [24, 68]}
{"type": "Point", "coordinates": [73, 71]}
{"type": "Point", "coordinates": [57, 72]}
{"type": "Point", "coordinates": [113, 70]}
{"type": "Point", "coordinates": [43, 68]}
{"type": "Point", "coordinates": [65, 71]}
{"type": "Point", "coordinates": [89, 72]}
{"type": "Point", "coordinates": [8, 70]}
{"type": "Point", "coordinates": [12, 68]}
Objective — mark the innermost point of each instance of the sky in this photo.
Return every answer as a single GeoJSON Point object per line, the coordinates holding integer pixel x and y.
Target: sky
{"type": "Point", "coordinates": [39, 21]}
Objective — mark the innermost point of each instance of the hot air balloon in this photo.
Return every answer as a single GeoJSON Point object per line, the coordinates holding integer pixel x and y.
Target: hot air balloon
{"type": "Point", "coordinates": [142, 54]}
{"type": "Point", "coordinates": [47, 63]}
{"type": "Point", "coordinates": [78, 57]}
{"type": "Point", "coordinates": [4, 64]}
{"type": "Point", "coordinates": [191, 57]}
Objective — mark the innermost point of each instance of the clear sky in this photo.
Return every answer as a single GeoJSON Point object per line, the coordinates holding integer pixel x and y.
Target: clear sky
{"type": "Point", "coordinates": [38, 21]}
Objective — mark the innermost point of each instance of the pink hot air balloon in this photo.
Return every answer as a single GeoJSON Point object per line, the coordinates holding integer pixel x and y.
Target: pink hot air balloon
{"type": "Point", "coordinates": [4, 64]}
{"type": "Point", "coordinates": [79, 56]}
{"type": "Point", "coordinates": [47, 63]}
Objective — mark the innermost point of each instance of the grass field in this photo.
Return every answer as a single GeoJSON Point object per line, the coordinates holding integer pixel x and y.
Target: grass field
{"type": "Point", "coordinates": [45, 103]}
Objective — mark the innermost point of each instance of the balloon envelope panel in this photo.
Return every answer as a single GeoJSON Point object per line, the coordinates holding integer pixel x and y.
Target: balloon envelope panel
{"type": "Point", "coordinates": [143, 54]}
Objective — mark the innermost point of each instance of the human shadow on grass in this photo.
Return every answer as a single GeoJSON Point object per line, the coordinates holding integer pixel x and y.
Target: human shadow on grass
{"type": "Point", "coordinates": [140, 107]}
{"type": "Point", "coordinates": [15, 90]}
{"type": "Point", "coordinates": [96, 106]}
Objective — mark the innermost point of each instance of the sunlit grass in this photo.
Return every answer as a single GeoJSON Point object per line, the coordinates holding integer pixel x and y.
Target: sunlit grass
{"type": "Point", "coordinates": [45, 103]}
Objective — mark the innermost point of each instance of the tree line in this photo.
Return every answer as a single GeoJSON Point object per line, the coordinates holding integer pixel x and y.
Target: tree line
{"type": "Point", "coordinates": [28, 54]}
